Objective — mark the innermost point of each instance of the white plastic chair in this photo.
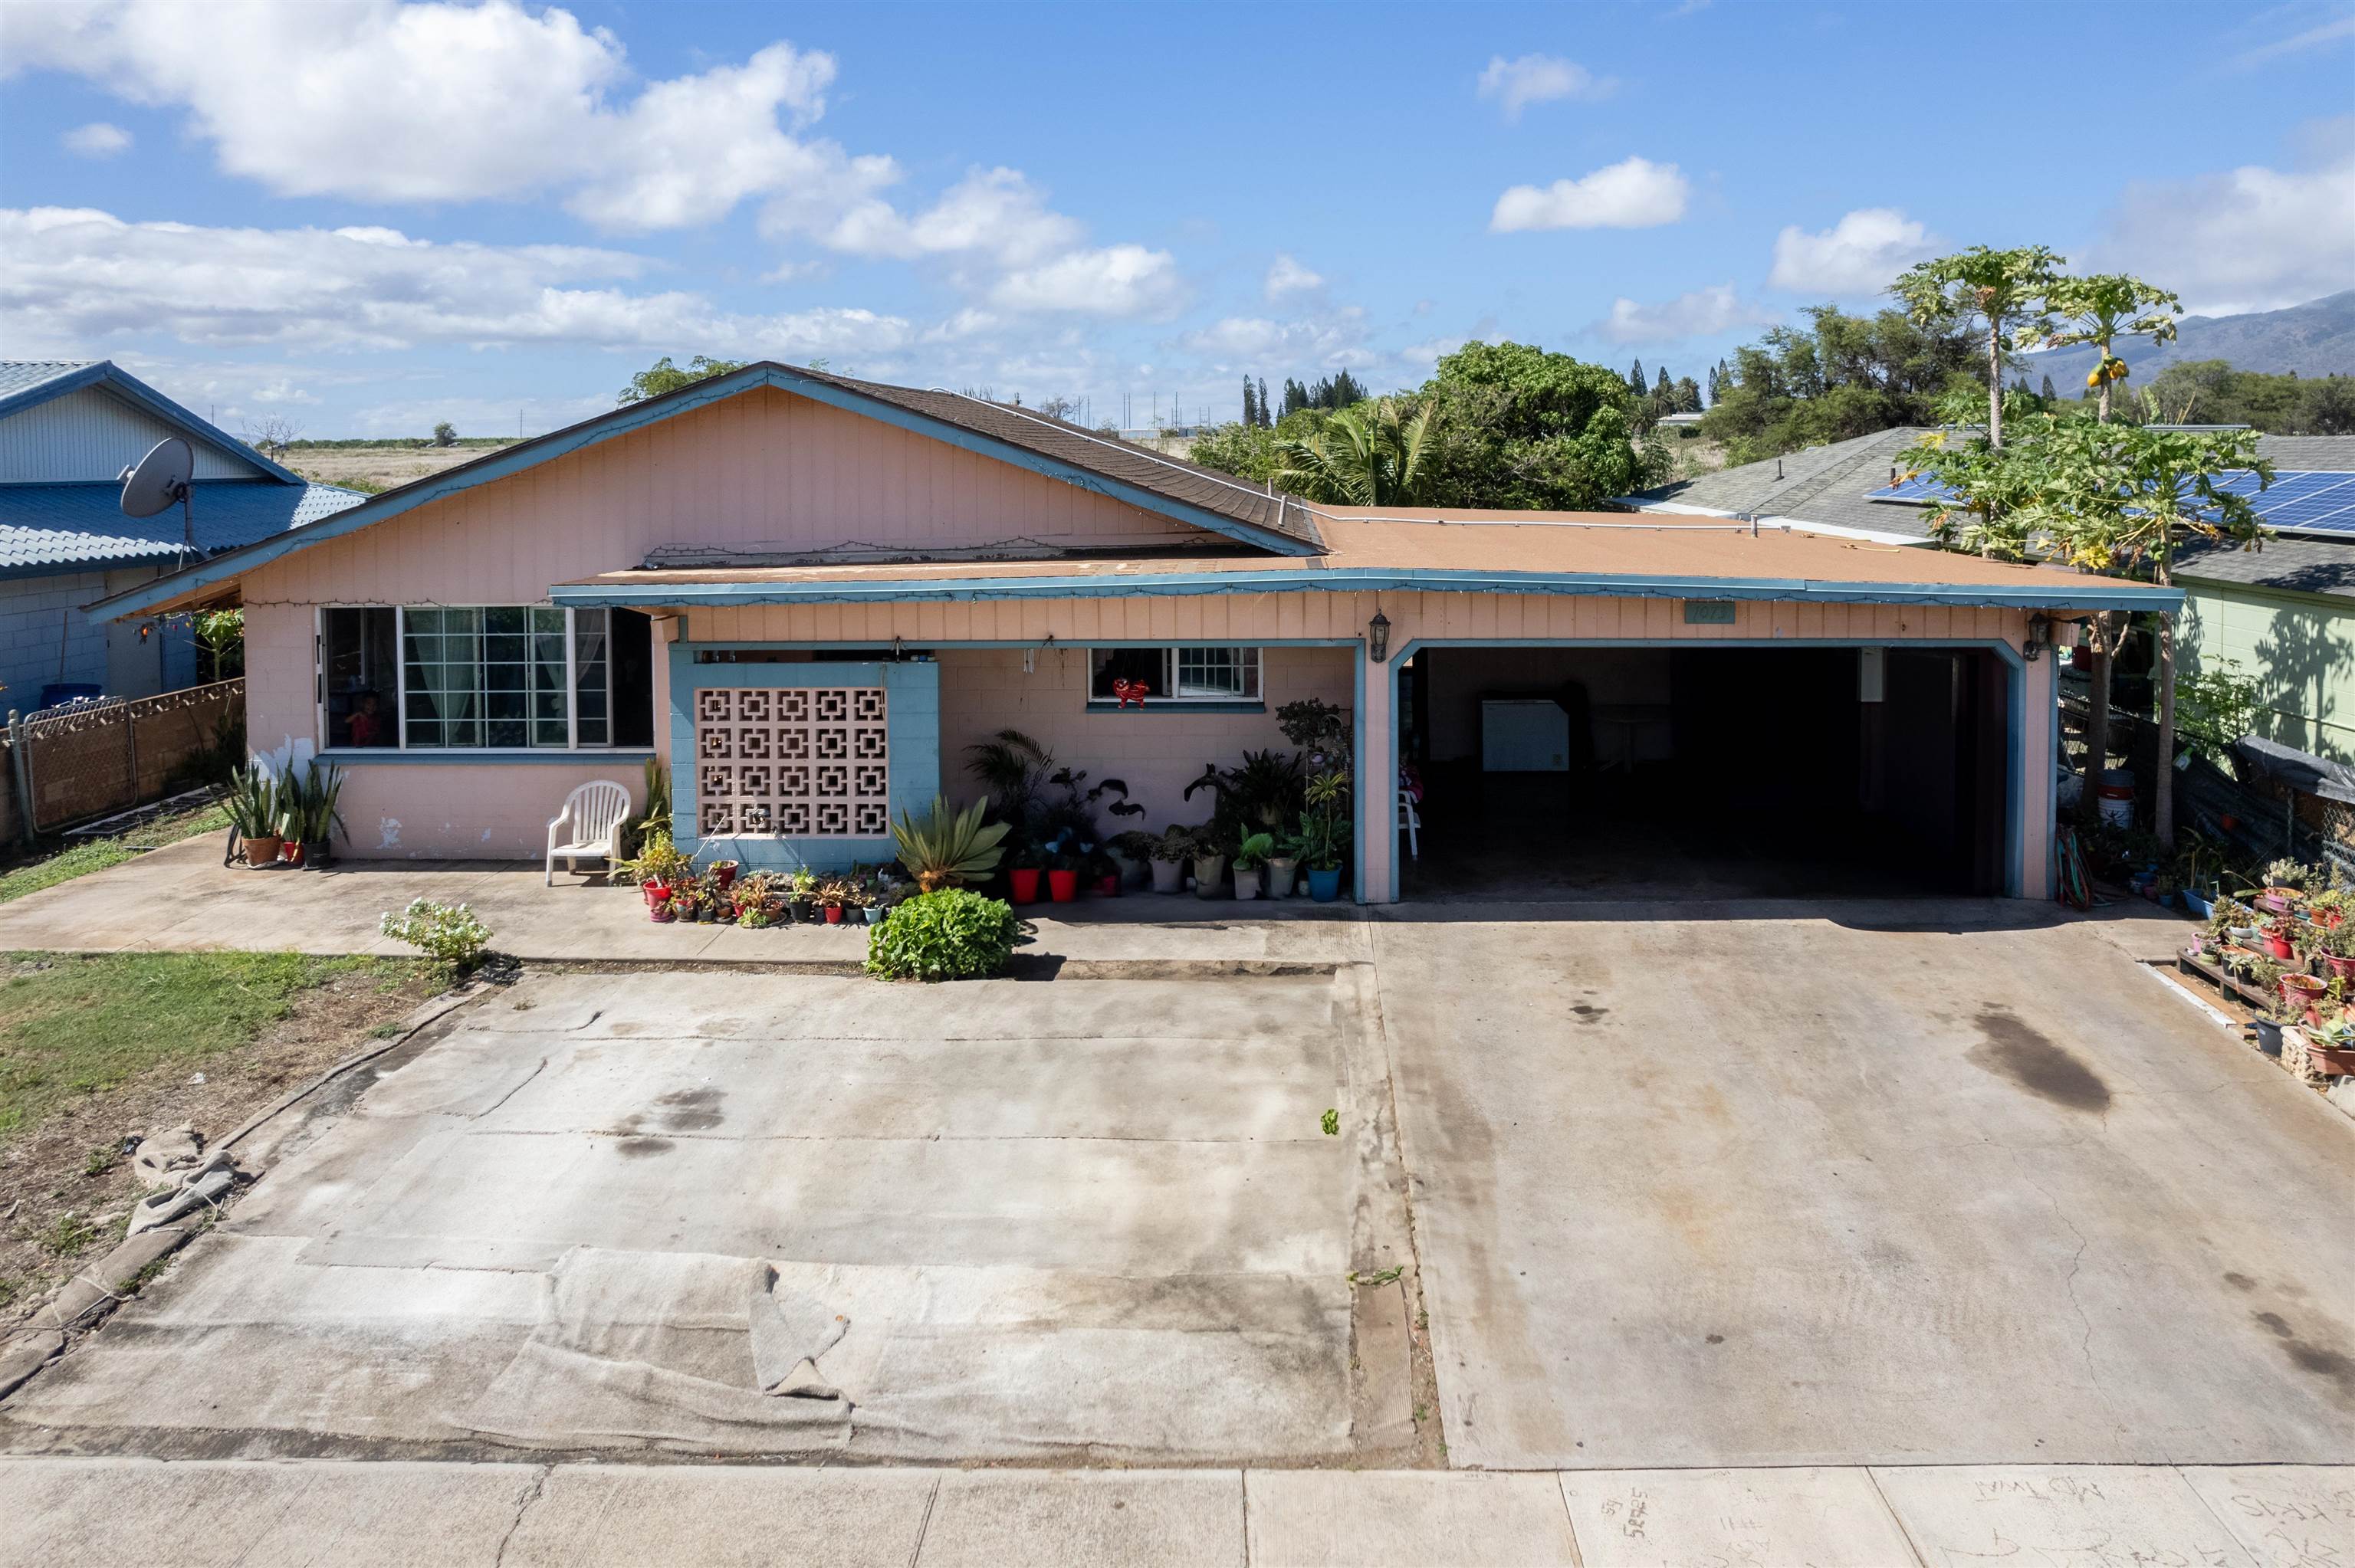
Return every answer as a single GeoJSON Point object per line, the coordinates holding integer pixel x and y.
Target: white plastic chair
{"type": "Point", "coordinates": [593, 815]}
{"type": "Point", "coordinates": [1411, 821]}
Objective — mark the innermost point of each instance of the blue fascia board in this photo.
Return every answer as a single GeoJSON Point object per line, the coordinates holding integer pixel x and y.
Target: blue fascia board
{"type": "Point", "coordinates": [107, 372]}
{"type": "Point", "coordinates": [633, 416]}
{"type": "Point", "coordinates": [2096, 593]}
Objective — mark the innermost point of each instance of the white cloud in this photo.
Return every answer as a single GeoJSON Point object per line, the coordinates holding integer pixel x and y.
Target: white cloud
{"type": "Point", "coordinates": [1539, 78]}
{"type": "Point", "coordinates": [96, 140]}
{"type": "Point", "coordinates": [1431, 350]}
{"type": "Point", "coordinates": [1329, 341]}
{"type": "Point", "coordinates": [1858, 255]}
{"type": "Point", "coordinates": [444, 102]}
{"type": "Point", "coordinates": [2306, 42]}
{"type": "Point", "coordinates": [1697, 314]}
{"type": "Point", "coordinates": [2253, 238]}
{"type": "Point", "coordinates": [77, 278]}
{"type": "Point", "coordinates": [1634, 193]}
{"type": "Point", "coordinates": [1116, 280]}
{"type": "Point", "coordinates": [1287, 276]}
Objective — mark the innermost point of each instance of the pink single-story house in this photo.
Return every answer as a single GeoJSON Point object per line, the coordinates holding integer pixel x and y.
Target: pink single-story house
{"type": "Point", "coordinates": [809, 595]}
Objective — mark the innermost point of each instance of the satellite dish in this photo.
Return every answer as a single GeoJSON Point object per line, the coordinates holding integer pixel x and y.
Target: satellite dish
{"type": "Point", "coordinates": [160, 479]}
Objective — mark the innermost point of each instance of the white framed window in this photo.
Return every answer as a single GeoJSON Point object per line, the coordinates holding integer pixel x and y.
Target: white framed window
{"type": "Point", "coordinates": [1215, 673]}
{"type": "Point", "coordinates": [482, 678]}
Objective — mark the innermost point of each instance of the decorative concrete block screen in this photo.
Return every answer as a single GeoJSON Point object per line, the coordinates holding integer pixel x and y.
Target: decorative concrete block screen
{"type": "Point", "coordinates": [792, 762]}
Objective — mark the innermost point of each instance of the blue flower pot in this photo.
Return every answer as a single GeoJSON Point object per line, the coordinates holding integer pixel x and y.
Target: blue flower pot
{"type": "Point", "coordinates": [1324, 885]}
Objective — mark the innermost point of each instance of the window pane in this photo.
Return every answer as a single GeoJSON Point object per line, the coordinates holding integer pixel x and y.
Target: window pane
{"type": "Point", "coordinates": [1209, 673]}
{"type": "Point", "coordinates": [358, 680]}
{"type": "Point", "coordinates": [1109, 664]}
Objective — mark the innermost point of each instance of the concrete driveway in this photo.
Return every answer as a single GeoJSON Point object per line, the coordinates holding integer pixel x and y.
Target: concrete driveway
{"type": "Point", "coordinates": [1704, 1191]}
{"type": "Point", "coordinates": [1086, 1220]}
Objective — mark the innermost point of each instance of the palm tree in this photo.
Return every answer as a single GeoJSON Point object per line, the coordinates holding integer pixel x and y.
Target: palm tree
{"type": "Point", "coordinates": [1361, 457]}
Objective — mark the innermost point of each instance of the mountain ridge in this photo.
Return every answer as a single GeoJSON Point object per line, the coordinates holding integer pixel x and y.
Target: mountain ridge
{"type": "Point", "coordinates": [2317, 338]}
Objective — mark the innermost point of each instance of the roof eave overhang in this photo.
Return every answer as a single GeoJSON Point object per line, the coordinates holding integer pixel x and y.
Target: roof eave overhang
{"type": "Point", "coordinates": [633, 416]}
{"type": "Point", "coordinates": [2088, 593]}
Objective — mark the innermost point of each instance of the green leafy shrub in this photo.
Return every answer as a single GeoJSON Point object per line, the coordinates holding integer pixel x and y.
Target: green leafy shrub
{"type": "Point", "coordinates": [448, 934]}
{"type": "Point", "coordinates": [952, 934]}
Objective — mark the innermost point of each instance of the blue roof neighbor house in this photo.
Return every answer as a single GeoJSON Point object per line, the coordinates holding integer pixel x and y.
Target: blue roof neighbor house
{"type": "Point", "coordinates": [67, 430]}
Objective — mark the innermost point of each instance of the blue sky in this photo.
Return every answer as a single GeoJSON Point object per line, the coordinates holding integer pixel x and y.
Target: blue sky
{"type": "Point", "coordinates": [367, 216]}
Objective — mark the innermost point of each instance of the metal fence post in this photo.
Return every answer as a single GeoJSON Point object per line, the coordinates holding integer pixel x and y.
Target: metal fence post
{"type": "Point", "coordinates": [20, 753]}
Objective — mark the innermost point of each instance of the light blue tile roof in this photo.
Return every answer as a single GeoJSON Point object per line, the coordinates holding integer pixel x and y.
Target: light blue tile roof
{"type": "Point", "coordinates": [64, 527]}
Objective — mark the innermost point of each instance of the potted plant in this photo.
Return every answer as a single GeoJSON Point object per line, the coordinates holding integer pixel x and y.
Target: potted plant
{"type": "Point", "coordinates": [2327, 909]}
{"type": "Point", "coordinates": [2302, 991]}
{"type": "Point", "coordinates": [2286, 882]}
{"type": "Point", "coordinates": [1131, 856]}
{"type": "Point", "coordinates": [656, 868]}
{"type": "Point", "coordinates": [1210, 860]}
{"type": "Point", "coordinates": [252, 804]}
{"type": "Point", "coordinates": [2269, 1035]}
{"type": "Point", "coordinates": [2331, 1047]}
{"type": "Point", "coordinates": [1022, 875]}
{"type": "Point", "coordinates": [685, 901]}
{"type": "Point", "coordinates": [1283, 866]}
{"type": "Point", "coordinates": [1169, 854]}
{"type": "Point", "coordinates": [833, 895]}
{"type": "Point", "coordinates": [2273, 938]}
{"type": "Point", "coordinates": [1325, 834]}
{"type": "Point", "coordinates": [802, 897]}
{"type": "Point", "coordinates": [724, 871]}
{"type": "Point", "coordinates": [1251, 855]}
{"type": "Point", "coordinates": [1102, 874]}
{"type": "Point", "coordinates": [1062, 877]}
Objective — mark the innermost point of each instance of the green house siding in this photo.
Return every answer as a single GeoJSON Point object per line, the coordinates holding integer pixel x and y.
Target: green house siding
{"type": "Point", "coordinates": [2300, 647]}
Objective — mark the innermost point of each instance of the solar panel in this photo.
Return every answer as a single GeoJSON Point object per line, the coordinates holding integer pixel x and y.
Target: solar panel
{"type": "Point", "coordinates": [2298, 500]}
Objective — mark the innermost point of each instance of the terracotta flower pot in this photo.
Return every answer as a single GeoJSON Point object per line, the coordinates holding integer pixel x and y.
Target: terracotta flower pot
{"type": "Point", "coordinates": [2338, 1061]}
{"type": "Point", "coordinates": [262, 852]}
{"type": "Point", "coordinates": [1063, 885]}
{"type": "Point", "coordinates": [1025, 879]}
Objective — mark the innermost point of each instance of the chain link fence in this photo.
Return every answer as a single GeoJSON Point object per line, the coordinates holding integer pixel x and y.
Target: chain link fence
{"type": "Point", "coordinates": [112, 755]}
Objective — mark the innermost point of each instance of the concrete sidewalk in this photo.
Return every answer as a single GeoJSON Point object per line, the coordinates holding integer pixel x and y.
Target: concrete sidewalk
{"type": "Point", "coordinates": [355, 1513]}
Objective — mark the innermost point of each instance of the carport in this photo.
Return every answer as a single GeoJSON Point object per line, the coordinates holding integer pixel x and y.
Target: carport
{"type": "Point", "coordinates": [1617, 769]}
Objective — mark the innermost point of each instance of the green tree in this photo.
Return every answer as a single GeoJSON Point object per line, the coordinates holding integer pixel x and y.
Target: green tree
{"type": "Point", "coordinates": [1266, 416]}
{"type": "Point", "coordinates": [1636, 382]}
{"type": "Point", "coordinates": [445, 434]}
{"type": "Point", "coordinates": [1515, 427]}
{"type": "Point", "coordinates": [1834, 377]}
{"type": "Point", "coordinates": [2099, 309]}
{"type": "Point", "coordinates": [1247, 451]}
{"type": "Point", "coordinates": [662, 376]}
{"type": "Point", "coordinates": [1370, 455]}
{"type": "Point", "coordinates": [2213, 392]}
{"type": "Point", "coordinates": [2004, 289]}
{"type": "Point", "coordinates": [1251, 403]}
{"type": "Point", "coordinates": [2048, 393]}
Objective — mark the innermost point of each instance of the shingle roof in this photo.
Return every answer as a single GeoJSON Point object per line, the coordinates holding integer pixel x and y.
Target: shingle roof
{"type": "Point", "coordinates": [24, 375]}
{"type": "Point", "coordinates": [1827, 484]}
{"type": "Point", "coordinates": [54, 527]}
{"type": "Point", "coordinates": [1083, 448]}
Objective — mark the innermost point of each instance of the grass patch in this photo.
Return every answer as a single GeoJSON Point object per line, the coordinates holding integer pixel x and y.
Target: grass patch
{"type": "Point", "coordinates": [74, 1024]}
{"type": "Point", "coordinates": [84, 856]}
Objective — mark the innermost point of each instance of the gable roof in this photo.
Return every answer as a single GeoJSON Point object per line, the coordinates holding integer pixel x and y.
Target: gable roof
{"type": "Point", "coordinates": [1055, 448]}
{"type": "Point", "coordinates": [27, 383]}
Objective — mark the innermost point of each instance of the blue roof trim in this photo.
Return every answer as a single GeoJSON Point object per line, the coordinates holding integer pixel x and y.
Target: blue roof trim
{"type": "Point", "coordinates": [113, 376]}
{"type": "Point", "coordinates": [635, 416]}
{"type": "Point", "coordinates": [2098, 593]}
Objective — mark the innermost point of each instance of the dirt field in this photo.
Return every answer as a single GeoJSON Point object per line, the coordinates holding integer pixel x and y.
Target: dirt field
{"type": "Point", "coordinates": [378, 468]}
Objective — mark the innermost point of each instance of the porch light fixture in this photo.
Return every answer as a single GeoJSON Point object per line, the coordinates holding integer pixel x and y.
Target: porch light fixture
{"type": "Point", "coordinates": [1378, 636]}
{"type": "Point", "coordinates": [2039, 638]}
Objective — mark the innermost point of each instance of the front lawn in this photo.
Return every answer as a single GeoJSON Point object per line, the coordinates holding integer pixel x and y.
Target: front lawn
{"type": "Point", "coordinates": [86, 855]}
{"type": "Point", "coordinates": [97, 1047]}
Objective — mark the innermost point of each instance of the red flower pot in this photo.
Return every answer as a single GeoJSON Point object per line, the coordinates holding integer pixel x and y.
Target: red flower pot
{"type": "Point", "coordinates": [726, 875]}
{"type": "Point", "coordinates": [1063, 885]}
{"type": "Point", "coordinates": [2302, 990]}
{"type": "Point", "coordinates": [1107, 886]}
{"type": "Point", "coordinates": [2340, 969]}
{"type": "Point", "coordinates": [1025, 879]}
{"type": "Point", "coordinates": [655, 893]}
{"type": "Point", "coordinates": [2277, 944]}
{"type": "Point", "coordinates": [833, 913]}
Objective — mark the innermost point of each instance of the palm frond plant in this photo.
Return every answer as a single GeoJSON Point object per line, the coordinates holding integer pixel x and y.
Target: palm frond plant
{"type": "Point", "coordinates": [947, 847]}
{"type": "Point", "coordinates": [1370, 455]}
{"type": "Point", "coordinates": [1013, 769]}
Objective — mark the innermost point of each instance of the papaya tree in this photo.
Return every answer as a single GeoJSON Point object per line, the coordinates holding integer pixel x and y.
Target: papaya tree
{"type": "Point", "coordinates": [2099, 309]}
{"type": "Point", "coordinates": [2004, 289]}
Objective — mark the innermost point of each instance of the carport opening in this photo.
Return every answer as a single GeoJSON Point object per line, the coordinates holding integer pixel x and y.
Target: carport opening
{"type": "Point", "coordinates": [1605, 773]}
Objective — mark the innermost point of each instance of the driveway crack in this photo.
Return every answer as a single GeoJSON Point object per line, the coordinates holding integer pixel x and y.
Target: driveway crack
{"type": "Point", "coordinates": [523, 1506]}
{"type": "Point", "coordinates": [520, 1085]}
{"type": "Point", "coordinates": [2076, 1264]}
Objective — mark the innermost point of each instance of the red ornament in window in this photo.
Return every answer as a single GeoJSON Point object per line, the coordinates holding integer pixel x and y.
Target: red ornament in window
{"type": "Point", "coordinates": [1125, 691]}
